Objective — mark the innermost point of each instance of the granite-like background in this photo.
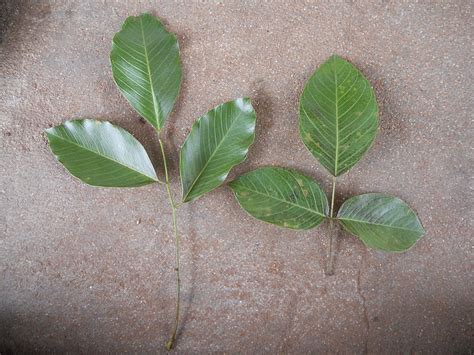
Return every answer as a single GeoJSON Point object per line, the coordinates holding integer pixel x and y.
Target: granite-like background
{"type": "Point", "coordinates": [90, 270]}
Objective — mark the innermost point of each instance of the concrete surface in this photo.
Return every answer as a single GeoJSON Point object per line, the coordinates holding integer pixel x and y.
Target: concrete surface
{"type": "Point", "coordinates": [90, 270]}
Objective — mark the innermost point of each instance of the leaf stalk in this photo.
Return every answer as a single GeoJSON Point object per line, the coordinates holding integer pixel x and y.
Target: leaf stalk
{"type": "Point", "coordinates": [170, 343]}
{"type": "Point", "coordinates": [332, 233]}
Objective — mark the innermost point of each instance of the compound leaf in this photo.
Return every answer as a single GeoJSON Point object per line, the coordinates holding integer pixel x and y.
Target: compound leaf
{"type": "Point", "coordinates": [281, 196]}
{"type": "Point", "coordinates": [218, 141]}
{"type": "Point", "coordinates": [101, 154]}
{"type": "Point", "coordinates": [338, 115]}
{"type": "Point", "coordinates": [146, 67]}
{"type": "Point", "coordinates": [382, 222]}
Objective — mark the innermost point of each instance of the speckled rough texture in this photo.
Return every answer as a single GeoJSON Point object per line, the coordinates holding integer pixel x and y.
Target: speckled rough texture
{"type": "Point", "coordinates": [90, 270]}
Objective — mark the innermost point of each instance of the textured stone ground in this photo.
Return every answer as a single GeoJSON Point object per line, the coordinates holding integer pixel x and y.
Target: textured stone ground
{"type": "Point", "coordinates": [90, 270]}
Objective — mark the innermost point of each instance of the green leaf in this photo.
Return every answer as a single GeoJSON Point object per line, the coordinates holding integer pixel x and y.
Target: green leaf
{"type": "Point", "coordinates": [218, 141]}
{"type": "Point", "coordinates": [338, 115]}
{"type": "Point", "coordinates": [281, 196]}
{"type": "Point", "coordinates": [382, 222]}
{"type": "Point", "coordinates": [146, 67]}
{"type": "Point", "coordinates": [101, 154]}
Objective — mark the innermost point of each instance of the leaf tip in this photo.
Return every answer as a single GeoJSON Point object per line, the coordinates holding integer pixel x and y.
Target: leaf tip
{"type": "Point", "coordinates": [337, 58]}
{"type": "Point", "coordinates": [244, 104]}
{"type": "Point", "coordinates": [421, 229]}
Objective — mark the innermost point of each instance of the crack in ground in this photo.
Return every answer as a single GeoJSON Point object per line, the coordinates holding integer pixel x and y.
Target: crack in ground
{"type": "Point", "coordinates": [364, 306]}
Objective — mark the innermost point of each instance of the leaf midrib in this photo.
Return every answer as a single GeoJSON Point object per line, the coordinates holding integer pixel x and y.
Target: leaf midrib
{"type": "Point", "coordinates": [102, 156]}
{"type": "Point", "coordinates": [285, 201]}
{"type": "Point", "coordinates": [336, 157]}
{"type": "Point", "coordinates": [155, 104]}
{"type": "Point", "coordinates": [378, 224]}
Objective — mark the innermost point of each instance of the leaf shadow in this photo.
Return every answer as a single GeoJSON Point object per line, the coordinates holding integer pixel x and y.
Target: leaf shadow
{"type": "Point", "coordinates": [393, 125]}
{"type": "Point", "coordinates": [170, 133]}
